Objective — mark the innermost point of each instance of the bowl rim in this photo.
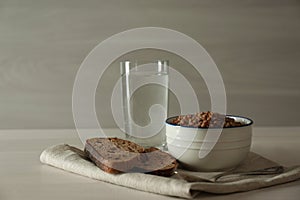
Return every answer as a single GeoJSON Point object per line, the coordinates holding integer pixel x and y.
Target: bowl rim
{"type": "Point", "coordinates": [236, 116]}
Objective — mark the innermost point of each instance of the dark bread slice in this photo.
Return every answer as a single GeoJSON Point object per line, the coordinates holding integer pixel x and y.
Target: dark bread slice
{"type": "Point", "coordinates": [113, 155]}
{"type": "Point", "coordinates": [159, 162]}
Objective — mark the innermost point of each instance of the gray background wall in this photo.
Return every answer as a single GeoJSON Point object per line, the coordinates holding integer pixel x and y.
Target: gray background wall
{"type": "Point", "coordinates": [255, 44]}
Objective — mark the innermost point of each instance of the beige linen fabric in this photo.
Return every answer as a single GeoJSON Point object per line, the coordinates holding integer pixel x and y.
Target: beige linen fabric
{"type": "Point", "coordinates": [183, 184]}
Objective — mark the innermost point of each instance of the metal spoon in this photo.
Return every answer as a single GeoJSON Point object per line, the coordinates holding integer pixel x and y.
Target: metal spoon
{"type": "Point", "coordinates": [215, 176]}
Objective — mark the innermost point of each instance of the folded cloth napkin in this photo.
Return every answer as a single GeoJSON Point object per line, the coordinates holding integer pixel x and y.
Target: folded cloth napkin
{"type": "Point", "coordinates": [256, 172]}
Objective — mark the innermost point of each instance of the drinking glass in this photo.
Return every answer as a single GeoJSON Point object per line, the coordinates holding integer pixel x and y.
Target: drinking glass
{"type": "Point", "coordinates": [145, 101]}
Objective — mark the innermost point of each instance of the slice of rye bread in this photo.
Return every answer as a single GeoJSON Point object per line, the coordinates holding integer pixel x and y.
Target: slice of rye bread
{"type": "Point", "coordinates": [114, 155]}
{"type": "Point", "coordinates": [158, 163]}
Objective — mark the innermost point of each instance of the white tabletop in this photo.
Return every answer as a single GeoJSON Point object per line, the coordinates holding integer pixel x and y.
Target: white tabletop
{"type": "Point", "coordinates": [22, 176]}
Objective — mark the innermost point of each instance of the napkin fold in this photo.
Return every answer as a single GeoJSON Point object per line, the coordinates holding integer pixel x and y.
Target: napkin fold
{"type": "Point", "coordinates": [254, 173]}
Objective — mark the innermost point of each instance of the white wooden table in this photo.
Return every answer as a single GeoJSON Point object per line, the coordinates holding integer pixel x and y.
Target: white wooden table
{"type": "Point", "coordinates": [22, 176]}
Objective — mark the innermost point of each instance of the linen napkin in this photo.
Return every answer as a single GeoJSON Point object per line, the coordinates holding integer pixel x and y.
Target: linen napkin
{"type": "Point", "coordinates": [255, 172]}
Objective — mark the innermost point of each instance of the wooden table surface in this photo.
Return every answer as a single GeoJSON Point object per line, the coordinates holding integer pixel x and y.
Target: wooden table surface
{"type": "Point", "coordinates": [22, 176]}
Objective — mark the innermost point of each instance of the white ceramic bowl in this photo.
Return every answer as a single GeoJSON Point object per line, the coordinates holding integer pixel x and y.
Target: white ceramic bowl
{"type": "Point", "coordinates": [223, 152]}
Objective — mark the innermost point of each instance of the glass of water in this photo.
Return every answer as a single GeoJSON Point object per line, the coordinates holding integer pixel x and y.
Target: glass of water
{"type": "Point", "coordinates": [145, 101]}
